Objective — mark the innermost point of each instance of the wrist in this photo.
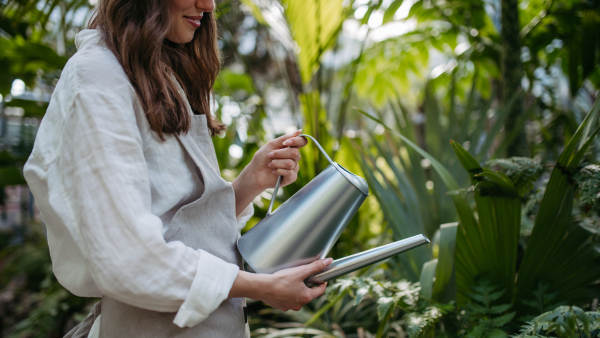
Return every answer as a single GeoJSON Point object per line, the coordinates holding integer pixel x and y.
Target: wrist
{"type": "Point", "coordinates": [261, 283]}
{"type": "Point", "coordinates": [250, 285]}
{"type": "Point", "coordinates": [247, 183]}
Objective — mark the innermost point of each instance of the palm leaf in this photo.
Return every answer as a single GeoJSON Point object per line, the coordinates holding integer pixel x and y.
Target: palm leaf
{"type": "Point", "coordinates": [444, 288]}
{"type": "Point", "coordinates": [427, 276]}
{"type": "Point", "coordinates": [490, 245]}
{"type": "Point", "coordinates": [555, 244]}
{"type": "Point", "coordinates": [326, 19]}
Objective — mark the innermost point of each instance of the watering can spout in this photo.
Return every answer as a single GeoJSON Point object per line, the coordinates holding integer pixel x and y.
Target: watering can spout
{"type": "Point", "coordinates": [360, 260]}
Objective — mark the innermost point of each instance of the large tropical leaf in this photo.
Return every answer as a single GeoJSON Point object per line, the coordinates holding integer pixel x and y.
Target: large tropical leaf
{"type": "Point", "coordinates": [444, 289]}
{"type": "Point", "coordinates": [489, 246]}
{"type": "Point", "coordinates": [399, 211]}
{"type": "Point", "coordinates": [559, 252]}
{"type": "Point", "coordinates": [314, 26]}
{"type": "Point", "coordinates": [393, 205]}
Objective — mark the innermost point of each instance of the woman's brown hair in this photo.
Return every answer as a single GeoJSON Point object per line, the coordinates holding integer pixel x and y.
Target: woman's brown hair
{"type": "Point", "coordinates": [135, 31]}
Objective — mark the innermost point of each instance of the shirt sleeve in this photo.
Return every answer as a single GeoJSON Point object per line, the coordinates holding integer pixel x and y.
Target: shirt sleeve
{"type": "Point", "coordinates": [245, 216]}
{"type": "Point", "coordinates": [106, 186]}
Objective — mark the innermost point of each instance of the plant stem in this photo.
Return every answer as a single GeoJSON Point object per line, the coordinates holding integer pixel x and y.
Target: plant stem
{"type": "Point", "coordinates": [512, 72]}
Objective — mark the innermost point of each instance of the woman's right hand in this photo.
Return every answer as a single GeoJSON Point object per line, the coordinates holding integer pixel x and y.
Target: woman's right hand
{"type": "Point", "coordinates": [283, 290]}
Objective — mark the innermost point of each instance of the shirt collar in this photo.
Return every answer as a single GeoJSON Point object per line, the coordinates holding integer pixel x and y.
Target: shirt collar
{"type": "Point", "coordinates": [87, 38]}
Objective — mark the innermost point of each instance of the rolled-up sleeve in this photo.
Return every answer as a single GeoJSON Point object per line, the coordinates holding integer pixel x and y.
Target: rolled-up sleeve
{"type": "Point", "coordinates": [104, 179]}
{"type": "Point", "coordinates": [245, 216]}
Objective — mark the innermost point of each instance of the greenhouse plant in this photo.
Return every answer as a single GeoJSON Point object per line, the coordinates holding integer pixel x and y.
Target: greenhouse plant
{"type": "Point", "coordinates": [474, 123]}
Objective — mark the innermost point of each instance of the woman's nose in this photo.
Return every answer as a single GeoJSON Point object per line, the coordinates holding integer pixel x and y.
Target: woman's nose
{"type": "Point", "coordinates": [205, 5]}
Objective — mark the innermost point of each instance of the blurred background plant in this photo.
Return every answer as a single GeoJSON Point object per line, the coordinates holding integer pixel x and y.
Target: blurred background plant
{"type": "Point", "coordinates": [511, 205]}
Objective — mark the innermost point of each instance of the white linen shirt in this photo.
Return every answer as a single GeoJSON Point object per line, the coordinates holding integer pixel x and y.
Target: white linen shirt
{"type": "Point", "coordinates": [107, 189]}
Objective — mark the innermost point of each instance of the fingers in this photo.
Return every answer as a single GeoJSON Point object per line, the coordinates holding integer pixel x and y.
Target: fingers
{"type": "Point", "coordinates": [297, 142]}
{"type": "Point", "coordinates": [287, 164]}
{"type": "Point", "coordinates": [281, 139]}
{"type": "Point", "coordinates": [309, 294]}
{"type": "Point", "coordinates": [291, 175]}
{"type": "Point", "coordinates": [317, 291]}
{"type": "Point", "coordinates": [316, 266]}
{"type": "Point", "coordinates": [291, 153]}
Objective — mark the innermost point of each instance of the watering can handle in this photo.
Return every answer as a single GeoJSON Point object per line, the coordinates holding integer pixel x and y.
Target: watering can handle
{"type": "Point", "coordinates": [281, 177]}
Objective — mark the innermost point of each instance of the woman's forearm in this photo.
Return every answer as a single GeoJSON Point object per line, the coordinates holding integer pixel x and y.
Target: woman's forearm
{"type": "Point", "coordinates": [245, 190]}
{"type": "Point", "coordinates": [248, 285]}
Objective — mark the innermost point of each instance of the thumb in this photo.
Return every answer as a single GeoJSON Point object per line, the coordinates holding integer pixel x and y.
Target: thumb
{"type": "Point", "coordinates": [316, 266]}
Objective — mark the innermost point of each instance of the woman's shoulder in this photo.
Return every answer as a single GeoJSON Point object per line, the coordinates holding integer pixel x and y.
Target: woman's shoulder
{"type": "Point", "coordinates": [94, 68]}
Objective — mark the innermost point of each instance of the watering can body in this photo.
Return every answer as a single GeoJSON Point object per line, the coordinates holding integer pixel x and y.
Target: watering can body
{"type": "Point", "coordinates": [307, 225]}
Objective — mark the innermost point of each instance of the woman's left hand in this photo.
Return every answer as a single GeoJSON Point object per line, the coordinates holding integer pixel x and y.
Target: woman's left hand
{"type": "Point", "coordinates": [279, 156]}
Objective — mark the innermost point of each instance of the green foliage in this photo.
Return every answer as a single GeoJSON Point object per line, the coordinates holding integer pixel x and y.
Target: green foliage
{"type": "Point", "coordinates": [588, 179]}
{"type": "Point", "coordinates": [418, 317]}
{"type": "Point", "coordinates": [232, 84]}
{"type": "Point", "coordinates": [313, 40]}
{"type": "Point", "coordinates": [488, 245]}
{"type": "Point", "coordinates": [557, 261]}
{"type": "Point", "coordinates": [541, 298]}
{"type": "Point", "coordinates": [563, 322]}
{"type": "Point", "coordinates": [485, 314]}
{"type": "Point", "coordinates": [34, 303]}
{"type": "Point", "coordinates": [558, 252]}
{"type": "Point", "coordinates": [10, 173]}
{"type": "Point", "coordinates": [444, 288]}
{"type": "Point", "coordinates": [419, 324]}
{"type": "Point", "coordinates": [532, 201]}
{"type": "Point", "coordinates": [398, 169]}
{"type": "Point", "coordinates": [25, 59]}
{"type": "Point", "coordinates": [32, 17]}
{"type": "Point", "coordinates": [522, 171]}
{"type": "Point", "coordinates": [10, 176]}
{"type": "Point", "coordinates": [389, 295]}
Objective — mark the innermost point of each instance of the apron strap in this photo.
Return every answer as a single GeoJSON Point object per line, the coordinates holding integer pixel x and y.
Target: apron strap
{"type": "Point", "coordinates": [82, 330]}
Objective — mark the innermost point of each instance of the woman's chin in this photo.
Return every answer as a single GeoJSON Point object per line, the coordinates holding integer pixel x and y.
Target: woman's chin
{"type": "Point", "coordinates": [187, 38]}
{"type": "Point", "coordinates": [182, 38]}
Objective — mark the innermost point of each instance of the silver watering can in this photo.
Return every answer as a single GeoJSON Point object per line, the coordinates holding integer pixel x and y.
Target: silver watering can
{"type": "Point", "coordinates": [306, 226]}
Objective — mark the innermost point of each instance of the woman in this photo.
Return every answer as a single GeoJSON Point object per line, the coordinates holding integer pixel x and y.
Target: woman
{"type": "Point", "coordinates": [125, 175]}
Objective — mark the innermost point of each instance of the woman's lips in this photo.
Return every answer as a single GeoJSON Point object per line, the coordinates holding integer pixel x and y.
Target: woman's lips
{"type": "Point", "coordinates": [193, 20]}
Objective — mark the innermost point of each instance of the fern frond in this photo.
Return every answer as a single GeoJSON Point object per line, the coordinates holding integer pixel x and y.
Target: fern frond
{"type": "Point", "coordinates": [496, 333]}
{"type": "Point", "coordinates": [542, 299]}
{"type": "Point", "coordinates": [496, 309]}
{"type": "Point", "coordinates": [478, 297]}
{"type": "Point", "coordinates": [563, 321]}
{"type": "Point", "coordinates": [496, 295]}
{"type": "Point", "coordinates": [477, 309]}
{"type": "Point", "coordinates": [417, 322]}
{"type": "Point", "coordinates": [484, 318]}
{"type": "Point", "coordinates": [503, 320]}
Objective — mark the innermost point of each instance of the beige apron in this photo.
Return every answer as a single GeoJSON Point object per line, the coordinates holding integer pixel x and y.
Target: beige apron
{"type": "Point", "coordinates": [208, 223]}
